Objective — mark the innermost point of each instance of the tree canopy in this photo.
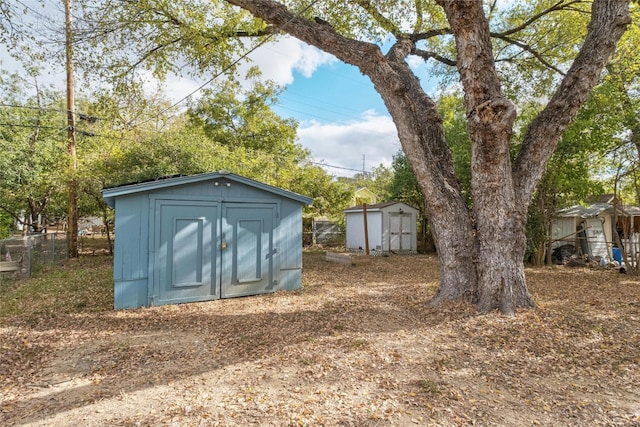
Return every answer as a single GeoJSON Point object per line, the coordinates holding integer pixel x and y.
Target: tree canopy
{"type": "Point", "coordinates": [33, 158]}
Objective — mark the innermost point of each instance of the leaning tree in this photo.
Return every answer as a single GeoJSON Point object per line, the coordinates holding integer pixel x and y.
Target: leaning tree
{"type": "Point", "coordinates": [480, 247]}
{"type": "Point", "coordinates": [491, 46]}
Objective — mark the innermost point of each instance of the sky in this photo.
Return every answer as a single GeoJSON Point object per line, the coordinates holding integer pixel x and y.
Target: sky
{"type": "Point", "coordinates": [342, 119]}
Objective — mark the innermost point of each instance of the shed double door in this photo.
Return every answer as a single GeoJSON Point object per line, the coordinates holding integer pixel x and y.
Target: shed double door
{"type": "Point", "coordinates": [208, 250]}
{"type": "Point", "coordinates": [400, 236]}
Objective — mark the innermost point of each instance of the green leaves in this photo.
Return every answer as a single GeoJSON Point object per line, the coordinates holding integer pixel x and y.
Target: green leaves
{"type": "Point", "coordinates": [230, 127]}
{"type": "Point", "coordinates": [33, 146]}
{"type": "Point", "coordinates": [161, 36]}
{"type": "Point", "coordinates": [238, 117]}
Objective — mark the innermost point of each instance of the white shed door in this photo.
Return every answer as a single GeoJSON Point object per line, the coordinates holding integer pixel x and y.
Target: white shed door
{"type": "Point", "coordinates": [400, 231]}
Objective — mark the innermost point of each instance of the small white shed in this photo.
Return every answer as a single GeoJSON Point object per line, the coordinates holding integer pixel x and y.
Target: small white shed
{"type": "Point", "coordinates": [391, 227]}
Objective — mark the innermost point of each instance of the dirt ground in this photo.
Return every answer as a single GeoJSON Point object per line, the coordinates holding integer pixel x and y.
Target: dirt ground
{"type": "Point", "coordinates": [357, 346]}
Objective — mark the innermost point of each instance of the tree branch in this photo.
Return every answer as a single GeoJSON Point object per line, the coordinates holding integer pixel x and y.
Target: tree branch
{"type": "Point", "coordinates": [426, 55]}
{"type": "Point", "coordinates": [502, 35]}
{"type": "Point", "coordinates": [269, 30]}
{"type": "Point", "coordinates": [609, 20]}
{"type": "Point", "coordinates": [153, 50]}
{"type": "Point", "coordinates": [430, 34]}
{"type": "Point", "coordinates": [13, 215]}
{"type": "Point", "coordinates": [415, 114]}
{"type": "Point", "coordinates": [322, 36]}
{"type": "Point", "coordinates": [529, 49]}
{"type": "Point", "coordinates": [560, 5]}
{"type": "Point", "coordinates": [385, 23]}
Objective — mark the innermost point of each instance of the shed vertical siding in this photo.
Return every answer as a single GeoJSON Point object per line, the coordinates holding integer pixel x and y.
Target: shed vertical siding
{"type": "Point", "coordinates": [355, 230]}
{"type": "Point", "coordinates": [131, 261]}
{"type": "Point", "coordinates": [563, 228]}
{"type": "Point", "coordinates": [289, 235]}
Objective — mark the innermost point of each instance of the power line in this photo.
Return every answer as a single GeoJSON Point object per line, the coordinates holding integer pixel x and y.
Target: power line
{"type": "Point", "coordinates": [33, 126]}
{"type": "Point", "coordinates": [81, 116]}
{"type": "Point", "coordinates": [33, 11]}
{"type": "Point", "coordinates": [275, 156]}
{"type": "Point", "coordinates": [254, 151]}
{"type": "Point", "coordinates": [262, 43]}
{"type": "Point", "coordinates": [314, 102]}
{"type": "Point", "coordinates": [339, 167]}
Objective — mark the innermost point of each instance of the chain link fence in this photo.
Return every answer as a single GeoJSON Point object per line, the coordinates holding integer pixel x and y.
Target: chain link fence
{"type": "Point", "coordinates": [21, 256]}
{"type": "Point", "coordinates": [322, 232]}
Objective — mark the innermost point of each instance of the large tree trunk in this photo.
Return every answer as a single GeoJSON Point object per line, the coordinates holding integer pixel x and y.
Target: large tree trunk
{"type": "Point", "coordinates": [423, 141]}
{"type": "Point", "coordinates": [502, 192]}
{"type": "Point", "coordinates": [500, 223]}
{"type": "Point", "coordinates": [481, 252]}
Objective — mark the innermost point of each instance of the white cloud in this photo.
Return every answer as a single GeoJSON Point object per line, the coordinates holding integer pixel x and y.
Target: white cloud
{"type": "Point", "coordinates": [176, 89]}
{"type": "Point", "coordinates": [277, 61]}
{"type": "Point", "coordinates": [374, 136]}
{"type": "Point", "coordinates": [280, 59]}
{"type": "Point", "coordinates": [415, 62]}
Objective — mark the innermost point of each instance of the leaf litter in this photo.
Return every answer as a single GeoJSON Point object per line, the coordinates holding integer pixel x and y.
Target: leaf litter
{"type": "Point", "coordinates": [356, 346]}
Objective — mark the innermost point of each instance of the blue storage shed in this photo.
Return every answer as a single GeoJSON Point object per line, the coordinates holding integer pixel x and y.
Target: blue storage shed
{"type": "Point", "coordinates": [204, 237]}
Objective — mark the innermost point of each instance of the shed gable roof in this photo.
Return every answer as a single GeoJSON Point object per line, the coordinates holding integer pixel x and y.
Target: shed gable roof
{"type": "Point", "coordinates": [110, 194]}
{"type": "Point", "coordinates": [376, 207]}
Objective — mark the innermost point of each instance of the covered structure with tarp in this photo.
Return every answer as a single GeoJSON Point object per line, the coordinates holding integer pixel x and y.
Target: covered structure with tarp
{"type": "Point", "coordinates": [591, 230]}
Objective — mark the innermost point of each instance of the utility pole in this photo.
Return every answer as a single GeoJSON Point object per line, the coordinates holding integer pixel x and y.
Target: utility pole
{"type": "Point", "coordinates": [72, 213]}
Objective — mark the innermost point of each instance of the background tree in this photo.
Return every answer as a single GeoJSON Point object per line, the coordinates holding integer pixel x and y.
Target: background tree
{"type": "Point", "coordinates": [597, 153]}
{"type": "Point", "coordinates": [570, 177]}
{"type": "Point", "coordinates": [123, 141]}
{"type": "Point", "coordinates": [32, 142]}
{"type": "Point", "coordinates": [251, 140]}
{"type": "Point", "coordinates": [6, 13]}
{"type": "Point", "coordinates": [454, 122]}
{"type": "Point", "coordinates": [619, 97]}
{"type": "Point", "coordinates": [377, 181]}
{"type": "Point", "coordinates": [235, 117]}
{"type": "Point", "coordinates": [6, 225]}
{"type": "Point", "coordinates": [330, 196]}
